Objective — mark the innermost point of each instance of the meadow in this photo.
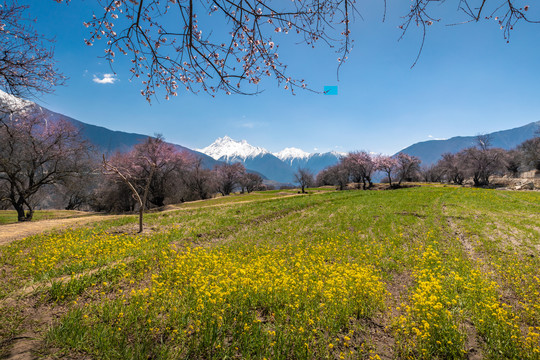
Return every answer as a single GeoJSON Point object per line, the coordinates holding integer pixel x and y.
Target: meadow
{"type": "Point", "coordinates": [415, 273]}
{"type": "Point", "coordinates": [10, 216]}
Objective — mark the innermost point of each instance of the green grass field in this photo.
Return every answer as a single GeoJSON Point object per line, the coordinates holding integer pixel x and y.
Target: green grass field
{"type": "Point", "coordinates": [10, 216]}
{"type": "Point", "coordinates": [417, 273]}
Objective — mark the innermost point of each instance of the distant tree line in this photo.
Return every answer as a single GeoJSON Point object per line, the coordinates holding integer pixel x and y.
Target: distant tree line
{"type": "Point", "coordinates": [166, 176]}
{"type": "Point", "coordinates": [477, 164]}
{"type": "Point", "coordinates": [360, 168]}
{"type": "Point", "coordinates": [480, 162]}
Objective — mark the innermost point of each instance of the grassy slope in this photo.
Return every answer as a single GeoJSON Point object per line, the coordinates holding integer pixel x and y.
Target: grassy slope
{"type": "Point", "coordinates": [10, 216]}
{"type": "Point", "coordinates": [411, 273]}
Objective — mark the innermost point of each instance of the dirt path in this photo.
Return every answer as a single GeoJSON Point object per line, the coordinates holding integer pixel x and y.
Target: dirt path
{"type": "Point", "coordinates": [11, 232]}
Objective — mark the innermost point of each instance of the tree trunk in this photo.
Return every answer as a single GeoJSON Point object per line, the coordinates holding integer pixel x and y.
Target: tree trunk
{"type": "Point", "coordinates": [389, 179]}
{"type": "Point", "coordinates": [141, 211]}
{"type": "Point", "coordinates": [21, 214]}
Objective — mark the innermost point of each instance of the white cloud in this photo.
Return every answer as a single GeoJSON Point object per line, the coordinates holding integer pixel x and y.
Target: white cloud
{"type": "Point", "coordinates": [107, 79]}
{"type": "Point", "coordinates": [434, 138]}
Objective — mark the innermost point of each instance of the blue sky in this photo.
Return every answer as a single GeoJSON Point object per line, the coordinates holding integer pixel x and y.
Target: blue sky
{"type": "Point", "coordinates": [468, 81]}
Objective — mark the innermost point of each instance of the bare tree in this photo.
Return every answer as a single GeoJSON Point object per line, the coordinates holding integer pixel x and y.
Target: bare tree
{"type": "Point", "coordinates": [35, 153]}
{"type": "Point", "coordinates": [482, 162]}
{"type": "Point", "coordinates": [228, 177]}
{"type": "Point", "coordinates": [530, 150]}
{"type": "Point", "coordinates": [77, 192]}
{"type": "Point", "coordinates": [124, 168]}
{"type": "Point", "coordinates": [198, 181]}
{"type": "Point", "coordinates": [483, 141]}
{"type": "Point", "coordinates": [251, 182]}
{"type": "Point", "coordinates": [113, 195]}
{"type": "Point", "coordinates": [431, 173]}
{"type": "Point", "coordinates": [27, 66]}
{"type": "Point", "coordinates": [407, 167]}
{"type": "Point", "coordinates": [4, 196]}
{"type": "Point", "coordinates": [304, 177]}
{"type": "Point", "coordinates": [324, 177]}
{"type": "Point", "coordinates": [512, 161]}
{"type": "Point", "coordinates": [452, 167]}
{"type": "Point", "coordinates": [337, 175]}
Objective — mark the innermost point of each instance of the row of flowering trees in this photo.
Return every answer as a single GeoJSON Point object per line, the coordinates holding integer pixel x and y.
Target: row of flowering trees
{"type": "Point", "coordinates": [479, 163]}
{"type": "Point", "coordinates": [162, 175]}
{"type": "Point", "coordinates": [154, 173]}
{"type": "Point", "coordinates": [360, 168]}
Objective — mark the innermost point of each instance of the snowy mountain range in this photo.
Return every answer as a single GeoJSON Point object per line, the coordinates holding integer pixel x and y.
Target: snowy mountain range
{"type": "Point", "coordinates": [279, 166]}
{"type": "Point", "coordinates": [227, 149]}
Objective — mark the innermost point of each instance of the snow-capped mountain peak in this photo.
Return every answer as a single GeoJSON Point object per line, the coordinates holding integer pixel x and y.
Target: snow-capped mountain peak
{"type": "Point", "coordinates": [10, 103]}
{"type": "Point", "coordinates": [338, 154]}
{"type": "Point", "coordinates": [291, 153]}
{"type": "Point", "coordinates": [226, 148]}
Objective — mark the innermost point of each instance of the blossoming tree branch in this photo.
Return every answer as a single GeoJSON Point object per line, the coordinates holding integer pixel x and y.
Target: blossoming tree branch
{"type": "Point", "coordinates": [180, 43]}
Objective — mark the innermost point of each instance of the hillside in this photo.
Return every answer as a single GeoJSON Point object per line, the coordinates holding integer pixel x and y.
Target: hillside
{"type": "Point", "coordinates": [430, 151]}
{"type": "Point", "coordinates": [109, 141]}
{"type": "Point", "coordinates": [105, 141]}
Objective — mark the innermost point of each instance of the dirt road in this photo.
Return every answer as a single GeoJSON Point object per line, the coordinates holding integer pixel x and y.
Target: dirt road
{"type": "Point", "coordinates": [11, 232]}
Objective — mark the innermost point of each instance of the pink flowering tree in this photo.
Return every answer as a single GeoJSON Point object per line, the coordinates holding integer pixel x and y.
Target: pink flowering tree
{"type": "Point", "coordinates": [27, 66]}
{"type": "Point", "coordinates": [165, 161]}
{"type": "Point", "coordinates": [36, 153]}
{"type": "Point", "coordinates": [361, 167]}
{"type": "Point", "coordinates": [146, 171]}
{"type": "Point", "coordinates": [386, 164]}
{"type": "Point", "coordinates": [407, 166]}
{"type": "Point", "coordinates": [126, 168]}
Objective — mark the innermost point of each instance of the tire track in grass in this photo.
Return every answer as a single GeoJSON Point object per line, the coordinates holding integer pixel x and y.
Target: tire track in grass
{"type": "Point", "coordinates": [495, 308]}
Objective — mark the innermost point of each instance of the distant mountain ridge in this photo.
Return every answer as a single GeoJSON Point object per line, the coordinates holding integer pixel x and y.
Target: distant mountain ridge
{"type": "Point", "coordinates": [430, 151]}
